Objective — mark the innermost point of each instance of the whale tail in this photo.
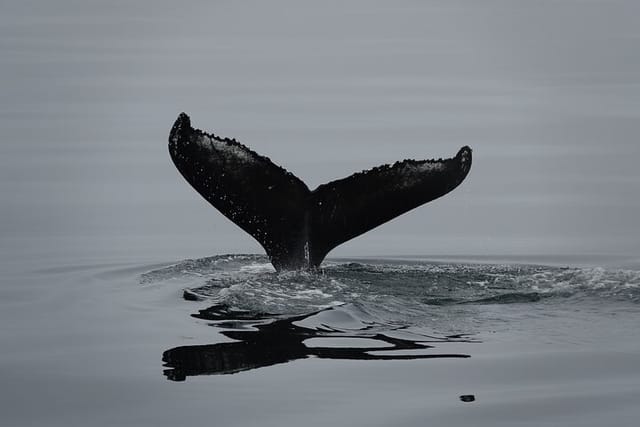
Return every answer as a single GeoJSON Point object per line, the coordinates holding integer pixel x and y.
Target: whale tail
{"type": "Point", "coordinates": [298, 227]}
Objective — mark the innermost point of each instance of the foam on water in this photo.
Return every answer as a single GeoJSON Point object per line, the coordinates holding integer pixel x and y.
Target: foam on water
{"type": "Point", "coordinates": [392, 289]}
{"type": "Point", "coordinates": [402, 277]}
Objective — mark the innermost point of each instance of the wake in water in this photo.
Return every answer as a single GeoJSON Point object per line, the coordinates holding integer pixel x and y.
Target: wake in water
{"type": "Point", "coordinates": [379, 309]}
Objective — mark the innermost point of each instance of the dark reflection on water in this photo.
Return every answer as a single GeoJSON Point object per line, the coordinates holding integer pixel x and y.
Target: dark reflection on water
{"type": "Point", "coordinates": [263, 340]}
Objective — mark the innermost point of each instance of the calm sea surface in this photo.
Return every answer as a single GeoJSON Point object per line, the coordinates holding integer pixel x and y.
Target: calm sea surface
{"type": "Point", "coordinates": [226, 340]}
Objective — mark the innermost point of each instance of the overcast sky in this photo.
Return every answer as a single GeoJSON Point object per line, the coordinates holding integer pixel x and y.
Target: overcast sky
{"type": "Point", "coordinates": [547, 94]}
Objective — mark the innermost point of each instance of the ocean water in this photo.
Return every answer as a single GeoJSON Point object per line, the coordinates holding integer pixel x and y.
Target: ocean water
{"type": "Point", "coordinates": [511, 301]}
{"type": "Point", "coordinates": [367, 341]}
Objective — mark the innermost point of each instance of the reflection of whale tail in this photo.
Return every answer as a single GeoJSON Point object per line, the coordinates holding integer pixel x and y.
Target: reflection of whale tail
{"type": "Point", "coordinates": [298, 227]}
{"type": "Point", "coordinates": [271, 340]}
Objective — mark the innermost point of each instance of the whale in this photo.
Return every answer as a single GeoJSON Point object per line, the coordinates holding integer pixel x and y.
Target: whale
{"type": "Point", "coordinates": [296, 226]}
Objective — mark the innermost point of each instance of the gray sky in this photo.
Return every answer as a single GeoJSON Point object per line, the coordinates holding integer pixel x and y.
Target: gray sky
{"type": "Point", "coordinates": [547, 93]}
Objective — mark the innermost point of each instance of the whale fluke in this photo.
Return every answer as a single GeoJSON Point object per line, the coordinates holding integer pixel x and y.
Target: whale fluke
{"type": "Point", "coordinates": [298, 227]}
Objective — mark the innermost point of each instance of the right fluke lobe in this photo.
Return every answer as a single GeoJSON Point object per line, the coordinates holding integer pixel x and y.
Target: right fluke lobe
{"type": "Point", "coordinates": [298, 227]}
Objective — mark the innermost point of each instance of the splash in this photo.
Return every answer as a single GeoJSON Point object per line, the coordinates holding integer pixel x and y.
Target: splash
{"type": "Point", "coordinates": [248, 282]}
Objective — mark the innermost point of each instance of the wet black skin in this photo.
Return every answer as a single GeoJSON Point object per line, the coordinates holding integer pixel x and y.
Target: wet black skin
{"type": "Point", "coordinates": [298, 227]}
